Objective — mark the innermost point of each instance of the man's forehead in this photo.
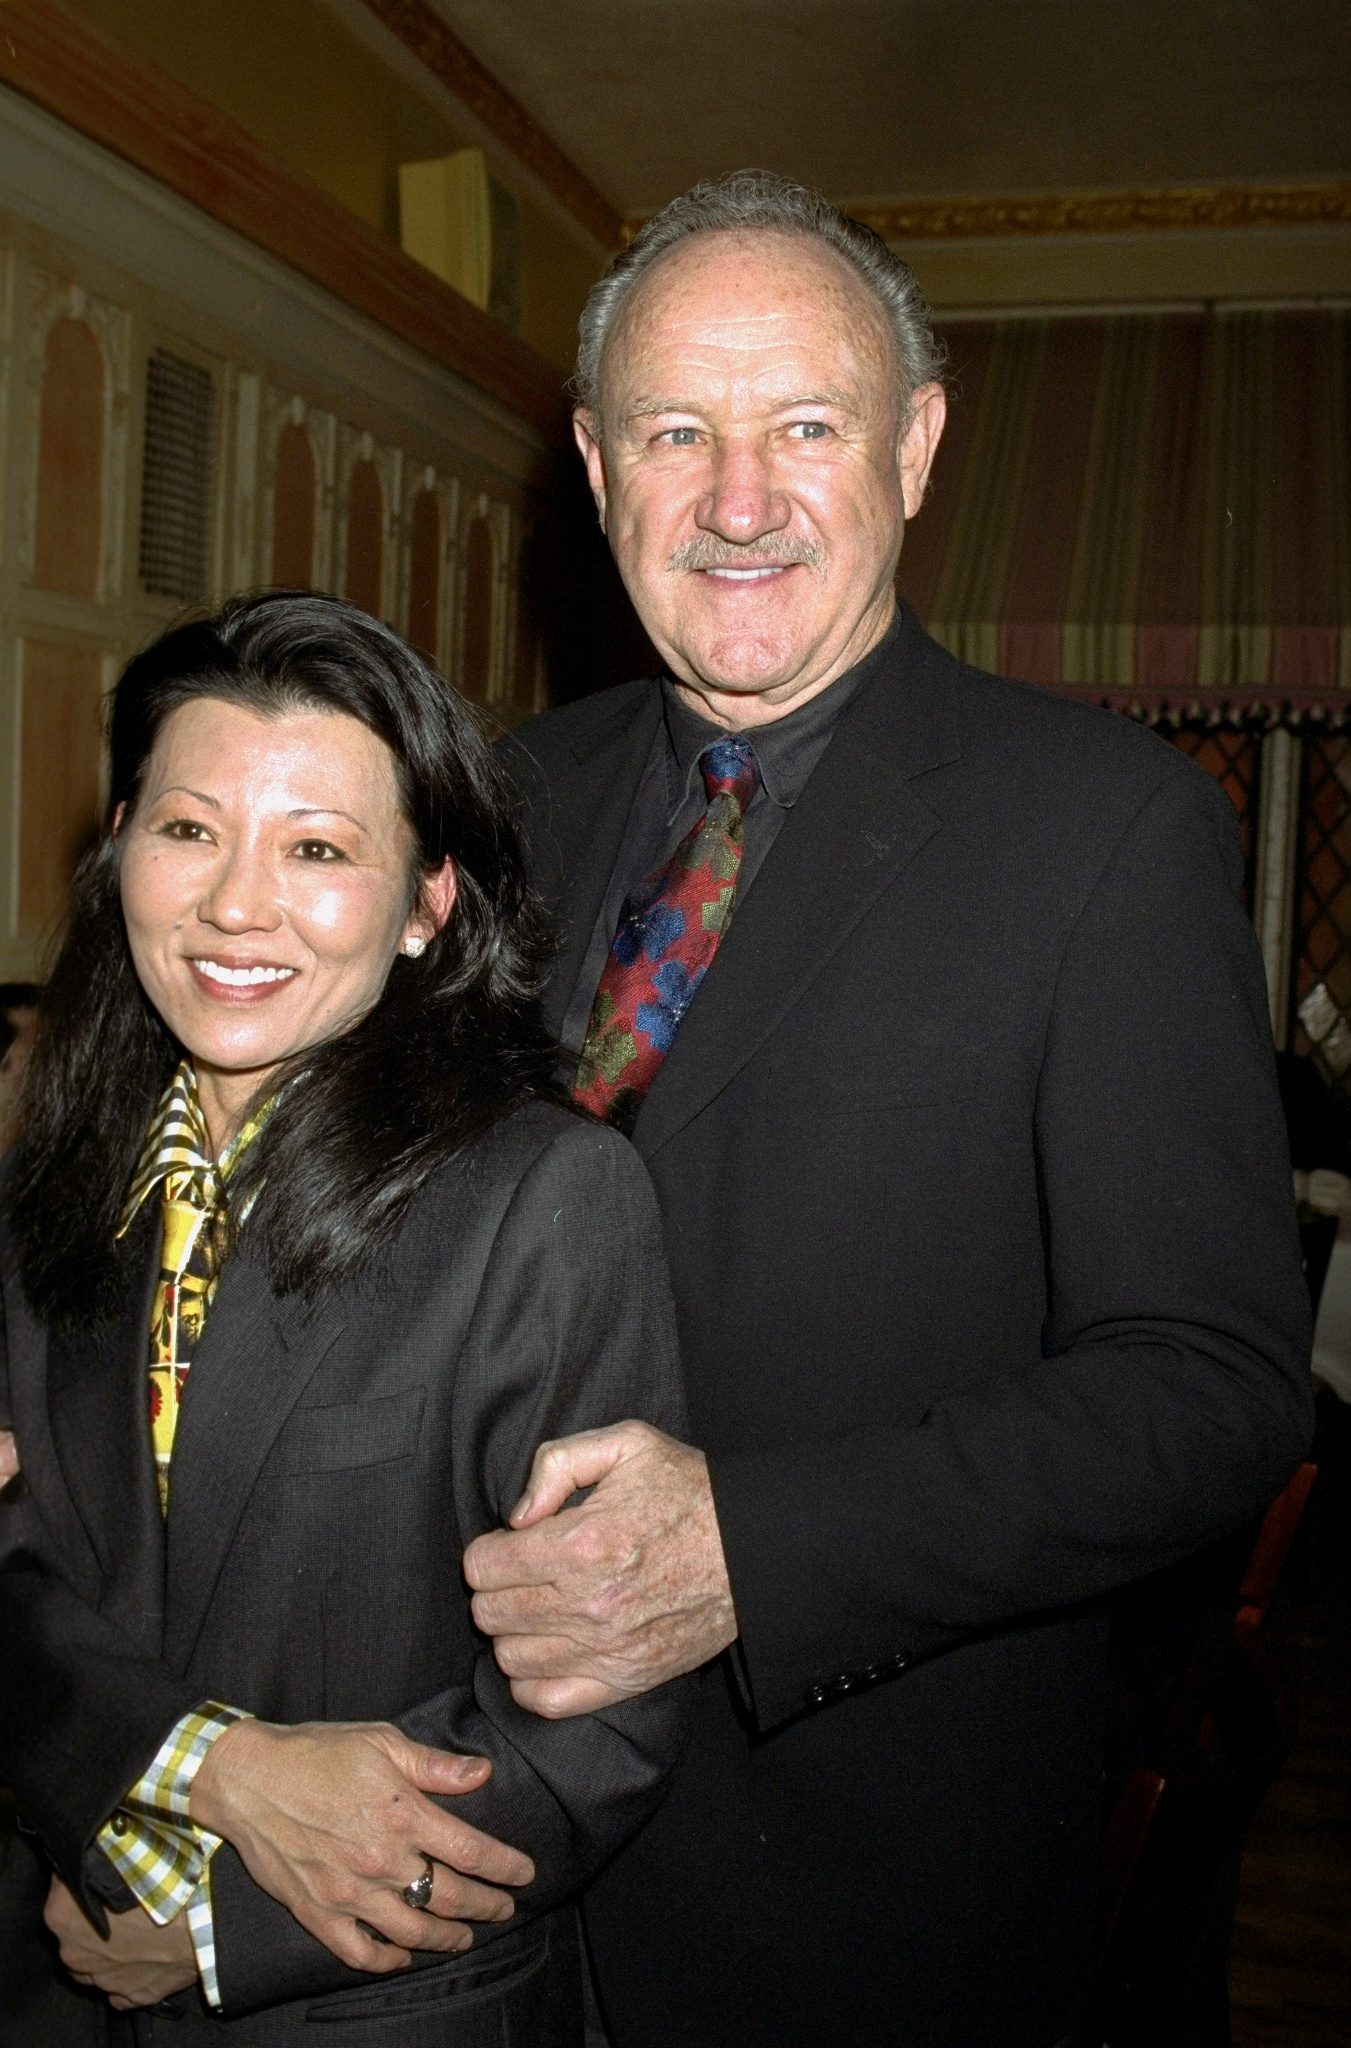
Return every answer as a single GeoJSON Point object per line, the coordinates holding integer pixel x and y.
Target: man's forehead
{"type": "Point", "coordinates": [765, 322]}
{"type": "Point", "coordinates": [751, 283]}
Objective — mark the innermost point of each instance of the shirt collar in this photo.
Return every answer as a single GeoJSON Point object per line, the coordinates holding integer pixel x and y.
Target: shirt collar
{"type": "Point", "coordinates": [178, 1142]}
{"type": "Point", "coordinates": [786, 751]}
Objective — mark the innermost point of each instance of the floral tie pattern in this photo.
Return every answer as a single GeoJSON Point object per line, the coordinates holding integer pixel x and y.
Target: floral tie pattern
{"type": "Point", "coordinates": [669, 930]}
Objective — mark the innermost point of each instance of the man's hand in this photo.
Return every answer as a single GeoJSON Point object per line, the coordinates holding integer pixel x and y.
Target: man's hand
{"type": "Point", "coordinates": [137, 1964]}
{"type": "Point", "coordinates": [332, 1819]}
{"type": "Point", "coordinates": [613, 1597]}
{"type": "Point", "coordinates": [9, 1457]}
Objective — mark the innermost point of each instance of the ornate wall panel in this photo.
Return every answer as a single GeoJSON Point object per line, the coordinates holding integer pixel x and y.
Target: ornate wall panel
{"type": "Point", "coordinates": [341, 458]}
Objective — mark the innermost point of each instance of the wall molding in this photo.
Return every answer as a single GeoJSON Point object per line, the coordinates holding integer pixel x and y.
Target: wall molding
{"type": "Point", "coordinates": [436, 46]}
{"type": "Point", "coordinates": [57, 57]}
{"type": "Point", "coordinates": [1166, 209]}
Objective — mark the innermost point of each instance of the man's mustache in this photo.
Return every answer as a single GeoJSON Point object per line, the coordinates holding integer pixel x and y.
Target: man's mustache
{"type": "Point", "coordinates": [772, 550]}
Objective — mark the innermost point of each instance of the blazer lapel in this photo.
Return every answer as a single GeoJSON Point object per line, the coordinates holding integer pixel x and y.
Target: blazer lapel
{"type": "Point", "coordinates": [587, 840]}
{"type": "Point", "coordinates": [253, 1362]}
{"type": "Point", "coordinates": [856, 826]}
{"type": "Point", "coordinates": [97, 1406]}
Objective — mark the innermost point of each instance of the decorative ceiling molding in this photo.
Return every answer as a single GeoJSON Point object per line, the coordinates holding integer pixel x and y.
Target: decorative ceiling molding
{"type": "Point", "coordinates": [421, 29]}
{"type": "Point", "coordinates": [1107, 213]}
{"type": "Point", "coordinates": [53, 54]}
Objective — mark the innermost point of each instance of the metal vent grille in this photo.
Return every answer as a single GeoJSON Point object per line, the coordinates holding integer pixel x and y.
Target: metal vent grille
{"type": "Point", "coordinates": [180, 421]}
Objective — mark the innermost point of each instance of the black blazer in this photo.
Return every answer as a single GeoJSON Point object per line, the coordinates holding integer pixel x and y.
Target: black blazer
{"type": "Point", "coordinates": [329, 1469]}
{"type": "Point", "coordinates": [978, 1208]}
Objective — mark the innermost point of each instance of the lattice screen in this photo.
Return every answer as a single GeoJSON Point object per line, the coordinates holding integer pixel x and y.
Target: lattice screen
{"type": "Point", "coordinates": [1321, 996]}
{"type": "Point", "coordinates": [1234, 759]}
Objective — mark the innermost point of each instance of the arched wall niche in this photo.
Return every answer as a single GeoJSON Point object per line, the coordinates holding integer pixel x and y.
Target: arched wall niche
{"type": "Point", "coordinates": [476, 643]}
{"type": "Point", "coordinates": [68, 523]}
{"type": "Point", "coordinates": [424, 576]}
{"type": "Point", "coordinates": [364, 573]}
{"type": "Point", "coordinates": [526, 650]}
{"type": "Point", "coordinates": [294, 502]}
{"type": "Point", "coordinates": [61, 740]}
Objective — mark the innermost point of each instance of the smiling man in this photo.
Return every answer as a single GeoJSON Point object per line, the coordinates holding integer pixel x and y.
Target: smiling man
{"type": "Point", "coordinates": [931, 1004]}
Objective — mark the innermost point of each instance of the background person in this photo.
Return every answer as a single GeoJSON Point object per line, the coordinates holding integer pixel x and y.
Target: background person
{"type": "Point", "coordinates": [931, 1003]}
{"type": "Point", "coordinates": [18, 1016]}
{"type": "Point", "coordinates": [291, 1109]}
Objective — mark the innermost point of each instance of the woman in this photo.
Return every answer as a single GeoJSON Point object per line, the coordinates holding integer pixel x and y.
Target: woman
{"type": "Point", "coordinates": [301, 1261]}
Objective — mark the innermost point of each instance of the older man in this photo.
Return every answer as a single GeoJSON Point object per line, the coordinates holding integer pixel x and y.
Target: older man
{"type": "Point", "coordinates": [930, 1002]}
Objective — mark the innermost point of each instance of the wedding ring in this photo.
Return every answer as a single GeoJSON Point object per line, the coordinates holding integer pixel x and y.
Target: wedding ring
{"type": "Point", "coordinates": [419, 1892]}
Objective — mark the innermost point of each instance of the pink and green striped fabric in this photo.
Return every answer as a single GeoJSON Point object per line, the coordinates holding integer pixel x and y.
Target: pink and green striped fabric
{"type": "Point", "coordinates": [1151, 509]}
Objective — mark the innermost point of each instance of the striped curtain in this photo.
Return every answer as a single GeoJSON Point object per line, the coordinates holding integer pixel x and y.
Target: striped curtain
{"type": "Point", "coordinates": [1150, 509]}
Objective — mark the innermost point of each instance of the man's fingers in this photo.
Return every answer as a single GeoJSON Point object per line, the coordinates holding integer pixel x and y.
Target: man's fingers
{"type": "Point", "coordinates": [560, 1699]}
{"type": "Point", "coordinates": [563, 1467]}
{"type": "Point", "coordinates": [518, 1610]}
{"type": "Point", "coordinates": [9, 1457]}
{"type": "Point", "coordinates": [513, 1557]}
{"type": "Point", "coordinates": [531, 1656]}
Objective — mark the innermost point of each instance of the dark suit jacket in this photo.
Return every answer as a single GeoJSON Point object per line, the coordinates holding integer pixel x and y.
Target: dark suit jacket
{"type": "Point", "coordinates": [329, 1469]}
{"type": "Point", "coordinates": [978, 1208]}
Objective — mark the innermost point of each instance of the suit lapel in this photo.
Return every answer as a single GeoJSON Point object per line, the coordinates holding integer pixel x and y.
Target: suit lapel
{"type": "Point", "coordinates": [588, 838]}
{"type": "Point", "coordinates": [255, 1358]}
{"type": "Point", "coordinates": [97, 1405]}
{"type": "Point", "coordinates": [856, 826]}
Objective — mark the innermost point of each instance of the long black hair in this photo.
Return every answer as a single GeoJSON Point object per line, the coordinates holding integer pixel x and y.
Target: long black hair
{"type": "Point", "coordinates": [454, 1042]}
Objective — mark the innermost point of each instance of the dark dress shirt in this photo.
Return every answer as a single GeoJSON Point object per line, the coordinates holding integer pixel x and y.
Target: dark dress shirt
{"type": "Point", "coordinates": [671, 799]}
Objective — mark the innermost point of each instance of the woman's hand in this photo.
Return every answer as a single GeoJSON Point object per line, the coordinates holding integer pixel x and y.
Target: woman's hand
{"type": "Point", "coordinates": [9, 1457]}
{"type": "Point", "coordinates": [138, 1963]}
{"type": "Point", "coordinates": [332, 1819]}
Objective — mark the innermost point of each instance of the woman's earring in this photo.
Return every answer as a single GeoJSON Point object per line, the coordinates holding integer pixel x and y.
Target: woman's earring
{"type": "Point", "coordinates": [414, 947]}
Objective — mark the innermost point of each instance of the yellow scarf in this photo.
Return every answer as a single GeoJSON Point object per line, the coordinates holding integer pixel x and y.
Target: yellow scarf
{"type": "Point", "coordinates": [195, 1238]}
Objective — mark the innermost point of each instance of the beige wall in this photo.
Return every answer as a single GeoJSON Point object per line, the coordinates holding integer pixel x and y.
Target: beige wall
{"type": "Point", "coordinates": [1128, 270]}
{"type": "Point", "coordinates": [293, 77]}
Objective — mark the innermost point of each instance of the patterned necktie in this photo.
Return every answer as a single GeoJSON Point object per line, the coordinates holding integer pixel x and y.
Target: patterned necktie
{"type": "Point", "coordinates": [194, 1238]}
{"type": "Point", "coordinates": [669, 930]}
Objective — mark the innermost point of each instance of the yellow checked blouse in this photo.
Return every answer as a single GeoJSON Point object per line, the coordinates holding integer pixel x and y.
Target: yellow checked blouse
{"type": "Point", "coordinates": [150, 1841]}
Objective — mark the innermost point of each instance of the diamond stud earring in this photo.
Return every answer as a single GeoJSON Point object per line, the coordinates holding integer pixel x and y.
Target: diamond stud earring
{"type": "Point", "coordinates": [414, 947]}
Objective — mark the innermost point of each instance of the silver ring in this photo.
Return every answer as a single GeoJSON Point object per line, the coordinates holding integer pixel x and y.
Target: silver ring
{"type": "Point", "coordinates": [419, 1892]}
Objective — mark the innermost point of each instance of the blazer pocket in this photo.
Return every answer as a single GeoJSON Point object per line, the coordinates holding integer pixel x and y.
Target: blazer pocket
{"type": "Point", "coordinates": [455, 1982]}
{"type": "Point", "coordinates": [350, 1434]}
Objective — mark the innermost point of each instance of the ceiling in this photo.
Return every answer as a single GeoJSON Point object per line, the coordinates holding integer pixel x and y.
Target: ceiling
{"type": "Point", "coordinates": [878, 99]}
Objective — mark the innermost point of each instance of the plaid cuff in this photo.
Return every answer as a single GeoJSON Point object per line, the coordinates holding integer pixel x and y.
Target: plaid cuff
{"type": "Point", "coordinates": [202, 1928]}
{"type": "Point", "coordinates": [150, 1841]}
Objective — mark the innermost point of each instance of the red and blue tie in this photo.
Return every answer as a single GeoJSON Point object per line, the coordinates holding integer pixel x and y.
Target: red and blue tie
{"type": "Point", "coordinates": [669, 930]}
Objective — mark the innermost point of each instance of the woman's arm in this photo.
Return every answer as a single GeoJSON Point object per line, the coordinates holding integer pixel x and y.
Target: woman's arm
{"type": "Point", "coordinates": [573, 1328]}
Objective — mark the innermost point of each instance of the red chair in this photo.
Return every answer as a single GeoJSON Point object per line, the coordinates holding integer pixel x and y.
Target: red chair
{"type": "Point", "coordinates": [1174, 1833]}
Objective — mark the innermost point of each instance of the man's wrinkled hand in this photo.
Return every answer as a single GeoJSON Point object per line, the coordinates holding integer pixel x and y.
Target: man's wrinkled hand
{"type": "Point", "coordinates": [136, 1963]}
{"type": "Point", "coordinates": [333, 1820]}
{"type": "Point", "coordinates": [9, 1457]}
{"type": "Point", "coordinates": [603, 1601]}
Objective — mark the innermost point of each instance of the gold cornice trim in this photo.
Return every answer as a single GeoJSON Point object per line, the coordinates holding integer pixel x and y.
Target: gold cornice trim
{"type": "Point", "coordinates": [1167, 208]}
{"type": "Point", "coordinates": [421, 29]}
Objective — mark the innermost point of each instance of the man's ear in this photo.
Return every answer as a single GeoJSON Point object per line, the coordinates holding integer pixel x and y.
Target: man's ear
{"type": "Point", "coordinates": [919, 443]}
{"type": "Point", "coordinates": [436, 900]}
{"type": "Point", "coordinates": [119, 819]}
{"type": "Point", "coordinates": [586, 433]}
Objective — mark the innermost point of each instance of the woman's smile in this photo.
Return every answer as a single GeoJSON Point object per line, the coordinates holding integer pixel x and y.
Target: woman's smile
{"type": "Point", "coordinates": [241, 981]}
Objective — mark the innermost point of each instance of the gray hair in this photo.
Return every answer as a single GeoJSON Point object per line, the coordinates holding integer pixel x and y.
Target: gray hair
{"type": "Point", "coordinates": [761, 200]}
